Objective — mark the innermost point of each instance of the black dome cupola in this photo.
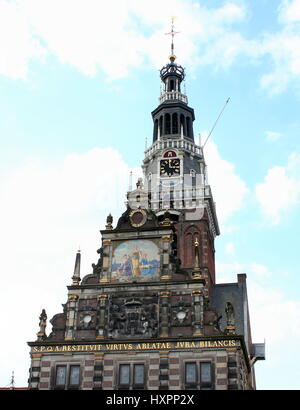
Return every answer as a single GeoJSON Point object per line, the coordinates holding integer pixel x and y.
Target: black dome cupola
{"type": "Point", "coordinates": [172, 76]}
{"type": "Point", "coordinates": [173, 118]}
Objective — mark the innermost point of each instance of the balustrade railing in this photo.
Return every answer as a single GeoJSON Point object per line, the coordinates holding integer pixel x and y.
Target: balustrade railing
{"type": "Point", "coordinates": [173, 95]}
{"type": "Point", "coordinates": [172, 143]}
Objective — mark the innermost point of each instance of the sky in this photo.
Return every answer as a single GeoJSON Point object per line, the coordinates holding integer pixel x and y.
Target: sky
{"type": "Point", "coordinates": [78, 82]}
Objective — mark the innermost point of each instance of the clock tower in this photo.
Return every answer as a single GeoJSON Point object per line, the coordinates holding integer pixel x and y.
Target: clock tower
{"type": "Point", "coordinates": [175, 176]}
{"type": "Point", "coordinates": [150, 315]}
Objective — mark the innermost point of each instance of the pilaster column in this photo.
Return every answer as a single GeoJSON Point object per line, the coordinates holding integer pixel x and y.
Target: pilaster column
{"type": "Point", "coordinates": [198, 312]}
{"type": "Point", "coordinates": [98, 371]}
{"type": "Point", "coordinates": [221, 371]}
{"type": "Point", "coordinates": [35, 371]}
{"type": "Point", "coordinates": [71, 317]}
{"type": "Point", "coordinates": [164, 370]}
{"type": "Point", "coordinates": [166, 250]}
{"type": "Point", "coordinates": [107, 248]}
{"type": "Point", "coordinates": [232, 369]}
{"type": "Point", "coordinates": [102, 302]}
{"type": "Point", "coordinates": [164, 313]}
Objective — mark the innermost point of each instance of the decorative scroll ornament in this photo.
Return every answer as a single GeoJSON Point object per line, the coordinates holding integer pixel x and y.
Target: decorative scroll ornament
{"type": "Point", "coordinates": [138, 217]}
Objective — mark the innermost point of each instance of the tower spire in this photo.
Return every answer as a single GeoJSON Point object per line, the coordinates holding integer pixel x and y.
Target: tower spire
{"type": "Point", "coordinates": [172, 33]}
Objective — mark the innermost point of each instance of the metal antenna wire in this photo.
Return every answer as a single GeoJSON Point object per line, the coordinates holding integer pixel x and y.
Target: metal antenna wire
{"type": "Point", "coordinates": [216, 122]}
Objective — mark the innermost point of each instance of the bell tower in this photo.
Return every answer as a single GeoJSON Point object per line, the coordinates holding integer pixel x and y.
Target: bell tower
{"type": "Point", "coordinates": [173, 117]}
{"type": "Point", "coordinates": [175, 174]}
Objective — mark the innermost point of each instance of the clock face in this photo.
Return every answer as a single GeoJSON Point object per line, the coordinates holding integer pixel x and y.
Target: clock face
{"type": "Point", "coordinates": [170, 167]}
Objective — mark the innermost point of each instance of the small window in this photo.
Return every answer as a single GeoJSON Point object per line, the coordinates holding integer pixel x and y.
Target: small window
{"type": "Point", "coordinates": [67, 377]}
{"type": "Point", "coordinates": [74, 375]}
{"type": "Point", "coordinates": [131, 376]}
{"type": "Point", "coordinates": [124, 374]}
{"type": "Point", "coordinates": [138, 374]}
{"type": "Point", "coordinates": [205, 372]}
{"type": "Point", "coordinates": [174, 123]}
{"type": "Point", "coordinates": [60, 377]}
{"type": "Point", "coordinates": [167, 124]}
{"type": "Point", "coordinates": [198, 375]}
{"type": "Point", "coordinates": [190, 373]}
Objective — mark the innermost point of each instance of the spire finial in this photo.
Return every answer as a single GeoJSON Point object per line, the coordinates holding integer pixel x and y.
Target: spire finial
{"type": "Point", "coordinates": [172, 33]}
{"type": "Point", "coordinates": [196, 270]}
{"type": "Point", "coordinates": [76, 274]}
{"type": "Point", "coordinates": [12, 381]}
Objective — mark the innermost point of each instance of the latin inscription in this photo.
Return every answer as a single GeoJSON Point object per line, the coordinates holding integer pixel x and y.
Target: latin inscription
{"type": "Point", "coordinates": [108, 347]}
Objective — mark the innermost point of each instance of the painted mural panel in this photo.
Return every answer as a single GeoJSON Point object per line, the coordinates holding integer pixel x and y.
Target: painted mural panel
{"type": "Point", "coordinates": [137, 260]}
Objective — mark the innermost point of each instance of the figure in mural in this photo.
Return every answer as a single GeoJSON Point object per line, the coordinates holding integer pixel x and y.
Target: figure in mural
{"type": "Point", "coordinates": [136, 263]}
{"type": "Point", "coordinates": [147, 269]}
{"type": "Point", "coordinates": [126, 266]}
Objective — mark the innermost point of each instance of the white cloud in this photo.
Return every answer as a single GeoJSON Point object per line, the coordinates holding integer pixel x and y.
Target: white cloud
{"type": "Point", "coordinates": [230, 249]}
{"type": "Point", "coordinates": [17, 44]}
{"type": "Point", "coordinates": [47, 210]}
{"type": "Point", "coordinates": [116, 36]}
{"type": "Point", "coordinates": [274, 316]}
{"type": "Point", "coordinates": [273, 136]}
{"type": "Point", "coordinates": [280, 191]}
{"type": "Point", "coordinates": [289, 11]}
{"type": "Point", "coordinates": [111, 37]}
{"type": "Point", "coordinates": [226, 272]}
{"type": "Point", "coordinates": [259, 270]}
{"type": "Point", "coordinates": [227, 187]}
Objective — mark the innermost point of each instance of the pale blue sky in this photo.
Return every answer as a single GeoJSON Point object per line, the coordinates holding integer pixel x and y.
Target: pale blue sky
{"type": "Point", "coordinates": [78, 82]}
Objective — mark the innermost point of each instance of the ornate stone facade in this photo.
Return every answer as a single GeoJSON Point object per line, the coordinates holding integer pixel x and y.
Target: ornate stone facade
{"type": "Point", "coordinates": [150, 314]}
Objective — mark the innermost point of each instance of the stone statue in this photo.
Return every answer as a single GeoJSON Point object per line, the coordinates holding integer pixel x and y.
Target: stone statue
{"type": "Point", "coordinates": [43, 323]}
{"type": "Point", "coordinates": [98, 267]}
{"type": "Point", "coordinates": [229, 314]}
{"type": "Point", "coordinates": [109, 221]}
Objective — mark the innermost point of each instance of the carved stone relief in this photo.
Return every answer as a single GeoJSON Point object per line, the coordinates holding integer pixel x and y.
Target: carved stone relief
{"type": "Point", "coordinates": [132, 316]}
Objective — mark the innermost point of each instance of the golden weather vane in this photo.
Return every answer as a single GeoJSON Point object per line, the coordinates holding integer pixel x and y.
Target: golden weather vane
{"type": "Point", "coordinates": [172, 33]}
